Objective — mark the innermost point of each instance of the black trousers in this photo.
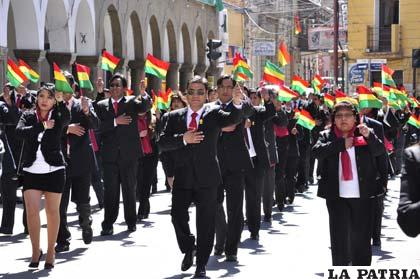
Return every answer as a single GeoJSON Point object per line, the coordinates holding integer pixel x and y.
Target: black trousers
{"type": "Point", "coordinates": [268, 190]}
{"type": "Point", "coordinates": [9, 185]}
{"type": "Point", "coordinates": [145, 175]}
{"type": "Point", "coordinates": [377, 213]}
{"type": "Point", "coordinates": [115, 174]}
{"type": "Point", "coordinates": [350, 231]}
{"type": "Point", "coordinates": [291, 176]}
{"type": "Point", "coordinates": [79, 187]}
{"type": "Point", "coordinates": [303, 165]}
{"type": "Point", "coordinates": [205, 201]}
{"type": "Point", "coordinates": [97, 176]}
{"type": "Point", "coordinates": [254, 179]}
{"type": "Point", "coordinates": [282, 151]}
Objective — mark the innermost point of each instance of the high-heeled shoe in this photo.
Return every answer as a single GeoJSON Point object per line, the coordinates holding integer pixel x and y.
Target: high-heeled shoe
{"type": "Point", "coordinates": [49, 265]}
{"type": "Point", "coordinates": [36, 264]}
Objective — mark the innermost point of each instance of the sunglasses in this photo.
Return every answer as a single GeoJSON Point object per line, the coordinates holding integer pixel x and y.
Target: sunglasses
{"type": "Point", "coordinates": [199, 92]}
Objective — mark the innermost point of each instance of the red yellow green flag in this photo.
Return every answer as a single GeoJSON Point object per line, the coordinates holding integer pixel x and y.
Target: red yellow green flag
{"type": "Point", "coordinates": [155, 101]}
{"type": "Point", "coordinates": [83, 73]}
{"type": "Point", "coordinates": [283, 55]}
{"type": "Point", "coordinates": [14, 74]}
{"type": "Point", "coordinates": [300, 85]}
{"type": "Point", "coordinates": [297, 113]}
{"type": "Point", "coordinates": [387, 76]}
{"type": "Point", "coordinates": [28, 71]}
{"type": "Point", "coordinates": [164, 99]}
{"type": "Point", "coordinates": [273, 73]}
{"type": "Point", "coordinates": [305, 120]}
{"type": "Point", "coordinates": [377, 88]}
{"type": "Point", "coordinates": [156, 67]}
{"type": "Point", "coordinates": [367, 99]}
{"type": "Point", "coordinates": [61, 83]}
{"type": "Point", "coordinates": [298, 28]}
{"type": "Point", "coordinates": [413, 101]}
{"type": "Point", "coordinates": [285, 94]}
{"type": "Point", "coordinates": [109, 61]}
{"type": "Point", "coordinates": [329, 100]}
{"type": "Point", "coordinates": [317, 83]}
{"type": "Point", "coordinates": [241, 69]}
{"type": "Point", "coordinates": [340, 96]}
{"type": "Point", "coordinates": [414, 121]}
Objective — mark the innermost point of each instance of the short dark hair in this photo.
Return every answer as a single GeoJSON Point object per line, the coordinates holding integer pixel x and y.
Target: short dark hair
{"type": "Point", "coordinates": [119, 76]}
{"type": "Point", "coordinates": [253, 91]}
{"type": "Point", "coordinates": [50, 87]}
{"type": "Point", "coordinates": [343, 105]}
{"type": "Point", "coordinates": [199, 79]}
{"type": "Point", "coordinates": [225, 77]}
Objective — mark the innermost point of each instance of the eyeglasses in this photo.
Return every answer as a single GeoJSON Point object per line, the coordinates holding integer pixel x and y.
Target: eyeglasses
{"type": "Point", "coordinates": [344, 115]}
{"type": "Point", "coordinates": [114, 85]}
{"type": "Point", "coordinates": [199, 92]}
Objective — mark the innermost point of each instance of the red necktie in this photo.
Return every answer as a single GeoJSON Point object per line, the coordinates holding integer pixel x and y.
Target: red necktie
{"type": "Point", "coordinates": [92, 137]}
{"type": "Point", "coordinates": [193, 122]}
{"type": "Point", "coordinates": [18, 101]}
{"type": "Point", "coordinates": [116, 108]}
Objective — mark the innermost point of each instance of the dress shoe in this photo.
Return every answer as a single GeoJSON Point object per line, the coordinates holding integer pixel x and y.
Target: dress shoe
{"type": "Point", "coordinates": [105, 232]}
{"type": "Point", "coordinates": [218, 252]}
{"type": "Point", "coordinates": [87, 235]}
{"type": "Point", "coordinates": [48, 265]}
{"type": "Point", "coordinates": [188, 260]}
{"type": "Point", "coordinates": [6, 231]}
{"type": "Point", "coordinates": [36, 264]}
{"type": "Point", "coordinates": [280, 206]}
{"type": "Point", "coordinates": [267, 219]}
{"type": "Point", "coordinates": [200, 272]}
{"type": "Point", "coordinates": [255, 236]}
{"type": "Point", "coordinates": [62, 247]}
{"type": "Point", "coordinates": [232, 258]}
{"type": "Point", "coordinates": [132, 228]}
{"type": "Point", "coordinates": [142, 216]}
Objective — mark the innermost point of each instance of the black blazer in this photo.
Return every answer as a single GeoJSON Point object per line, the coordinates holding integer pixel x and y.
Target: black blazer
{"type": "Point", "coordinates": [293, 150]}
{"type": "Point", "coordinates": [29, 128]}
{"type": "Point", "coordinates": [196, 165]}
{"type": "Point", "coordinates": [81, 158]}
{"type": "Point", "coordinates": [328, 149]}
{"type": "Point", "coordinates": [258, 119]}
{"type": "Point", "coordinates": [231, 150]}
{"type": "Point", "coordinates": [409, 205]}
{"type": "Point", "coordinates": [122, 139]}
{"type": "Point", "coordinates": [9, 116]}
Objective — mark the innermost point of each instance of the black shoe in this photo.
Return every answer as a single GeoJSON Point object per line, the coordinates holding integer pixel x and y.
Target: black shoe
{"type": "Point", "coordinates": [6, 231]}
{"type": "Point", "coordinates": [255, 236]}
{"type": "Point", "coordinates": [376, 242]}
{"type": "Point", "coordinates": [132, 228]}
{"type": "Point", "coordinates": [36, 264]}
{"type": "Point", "coordinates": [87, 235]}
{"type": "Point", "coordinates": [267, 219]}
{"type": "Point", "coordinates": [105, 232]}
{"type": "Point", "coordinates": [142, 216]}
{"type": "Point", "coordinates": [218, 252]}
{"type": "Point", "coordinates": [62, 247]}
{"type": "Point", "coordinates": [232, 258]}
{"type": "Point", "coordinates": [280, 206]}
{"type": "Point", "coordinates": [48, 265]}
{"type": "Point", "coordinates": [200, 272]}
{"type": "Point", "coordinates": [188, 260]}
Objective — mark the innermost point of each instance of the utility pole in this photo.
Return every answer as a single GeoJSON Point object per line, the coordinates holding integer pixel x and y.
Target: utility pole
{"type": "Point", "coordinates": [336, 38]}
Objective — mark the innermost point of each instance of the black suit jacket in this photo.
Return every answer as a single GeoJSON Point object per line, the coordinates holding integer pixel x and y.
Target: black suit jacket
{"type": "Point", "coordinates": [28, 129]}
{"type": "Point", "coordinates": [121, 139]}
{"type": "Point", "coordinates": [409, 205]}
{"type": "Point", "coordinates": [231, 150]}
{"type": "Point", "coordinates": [258, 119]}
{"type": "Point", "coordinates": [81, 158]}
{"type": "Point", "coordinates": [328, 149]}
{"type": "Point", "coordinates": [9, 116]}
{"type": "Point", "coordinates": [196, 165]}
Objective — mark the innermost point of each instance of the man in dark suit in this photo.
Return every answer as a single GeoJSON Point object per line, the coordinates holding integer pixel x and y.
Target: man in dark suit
{"type": "Point", "coordinates": [192, 133]}
{"type": "Point", "coordinates": [78, 152]}
{"type": "Point", "coordinates": [234, 161]}
{"type": "Point", "coordinates": [254, 134]}
{"type": "Point", "coordinates": [120, 151]}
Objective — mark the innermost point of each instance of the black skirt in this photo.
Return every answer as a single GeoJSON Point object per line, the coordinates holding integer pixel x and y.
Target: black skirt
{"type": "Point", "coordinates": [46, 182]}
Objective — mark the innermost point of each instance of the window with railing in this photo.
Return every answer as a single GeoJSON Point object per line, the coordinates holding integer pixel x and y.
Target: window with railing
{"type": "Point", "coordinates": [379, 39]}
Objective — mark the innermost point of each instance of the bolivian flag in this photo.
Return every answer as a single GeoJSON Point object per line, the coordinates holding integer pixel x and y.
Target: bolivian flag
{"type": "Point", "coordinates": [61, 83]}
{"type": "Point", "coordinates": [285, 94]}
{"type": "Point", "coordinates": [298, 28]}
{"type": "Point", "coordinates": [340, 96]}
{"type": "Point", "coordinates": [241, 69]}
{"type": "Point", "coordinates": [283, 56]}
{"type": "Point", "coordinates": [329, 100]}
{"type": "Point", "coordinates": [377, 88]}
{"type": "Point", "coordinates": [387, 76]}
{"type": "Point", "coordinates": [14, 75]}
{"type": "Point", "coordinates": [367, 99]}
{"type": "Point", "coordinates": [317, 83]}
{"type": "Point", "coordinates": [414, 121]}
{"type": "Point", "coordinates": [28, 71]}
{"type": "Point", "coordinates": [109, 62]}
{"type": "Point", "coordinates": [156, 67]}
{"type": "Point", "coordinates": [273, 74]}
{"type": "Point", "coordinates": [305, 120]}
{"type": "Point", "coordinates": [164, 99]}
{"type": "Point", "coordinates": [300, 85]}
{"type": "Point", "coordinates": [83, 73]}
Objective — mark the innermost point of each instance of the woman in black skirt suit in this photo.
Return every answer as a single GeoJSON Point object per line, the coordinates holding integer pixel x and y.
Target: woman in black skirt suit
{"type": "Point", "coordinates": [43, 166]}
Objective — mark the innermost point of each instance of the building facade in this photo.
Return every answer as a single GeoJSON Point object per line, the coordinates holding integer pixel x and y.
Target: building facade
{"type": "Point", "coordinates": [68, 31]}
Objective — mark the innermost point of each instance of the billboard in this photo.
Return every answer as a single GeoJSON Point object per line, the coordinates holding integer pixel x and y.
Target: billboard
{"type": "Point", "coordinates": [264, 48]}
{"type": "Point", "coordinates": [322, 38]}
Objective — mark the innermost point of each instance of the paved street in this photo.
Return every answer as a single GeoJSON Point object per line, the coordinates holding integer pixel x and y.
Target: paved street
{"type": "Point", "coordinates": [296, 243]}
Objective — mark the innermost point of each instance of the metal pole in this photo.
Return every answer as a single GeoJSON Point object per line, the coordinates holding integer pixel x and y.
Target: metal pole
{"type": "Point", "coordinates": [336, 38]}
{"type": "Point", "coordinates": [414, 81]}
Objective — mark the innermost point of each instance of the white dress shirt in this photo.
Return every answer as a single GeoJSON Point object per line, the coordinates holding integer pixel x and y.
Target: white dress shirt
{"type": "Point", "coordinates": [349, 188]}
{"type": "Point", "coordinates": [251, 149]}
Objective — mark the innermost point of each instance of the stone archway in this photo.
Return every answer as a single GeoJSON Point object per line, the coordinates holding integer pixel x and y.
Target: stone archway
{"type": "Point", "coordinates": [171, 48]}
{"type": "Point", "coordinates": [154, 48]}
{"type": "Point", "coordinates": [200, 68]}
{"type": "Point", "coordinates": [135, 51]}
{"type": "Point", "coordinates": [186, 69]}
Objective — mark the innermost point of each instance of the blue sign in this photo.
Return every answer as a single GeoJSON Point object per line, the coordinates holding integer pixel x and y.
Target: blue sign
{"type": "Point", "coordinates": [356, 75]}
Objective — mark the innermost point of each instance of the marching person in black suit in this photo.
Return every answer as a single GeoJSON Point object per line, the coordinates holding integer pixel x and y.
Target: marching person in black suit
{"type": "Point", "coordinates": [80, 163]}
{"type": "Point", "coordinates": [120, 150]}
{"type": "Point", "coordinates": [348, 183]}
{"type": "Point", "coordinates": [409, 206]}
{"type": "Point", "coordinates": [234, 162]}
{"type": "Point", "coordinates": [254, 134]}
{"type": "Point", "coordinates": [192, 133]}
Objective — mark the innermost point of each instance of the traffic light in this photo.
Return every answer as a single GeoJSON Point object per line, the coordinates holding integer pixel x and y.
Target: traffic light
{"type": "Point", "coordinates": [416, 58]}
{"type": "Point", "coordinates": [214, 54]}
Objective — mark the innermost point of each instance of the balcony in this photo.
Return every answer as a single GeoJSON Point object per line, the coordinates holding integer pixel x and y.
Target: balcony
{"type": "Point", "coordinates": [383, 39]}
